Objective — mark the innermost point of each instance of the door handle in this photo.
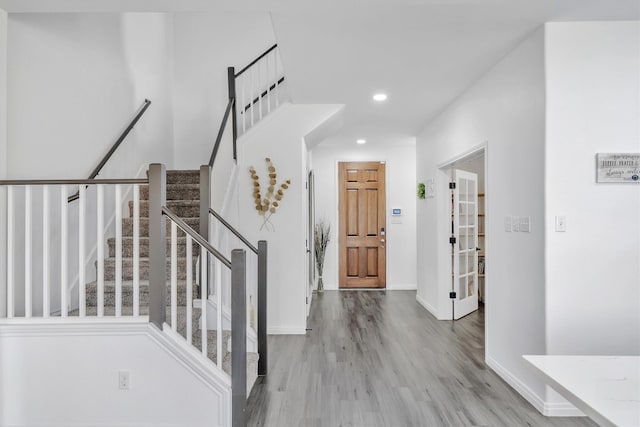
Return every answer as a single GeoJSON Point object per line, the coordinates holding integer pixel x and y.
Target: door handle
{"type": "Point", "coordinates": [381, 240]}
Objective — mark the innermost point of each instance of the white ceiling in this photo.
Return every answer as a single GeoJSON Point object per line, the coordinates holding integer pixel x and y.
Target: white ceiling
{"type": "Point", "coordinates": [422, 53]}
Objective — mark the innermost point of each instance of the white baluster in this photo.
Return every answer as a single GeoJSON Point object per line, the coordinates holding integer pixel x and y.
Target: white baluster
{"type": "Point", "coordinates": [251, 94]}
{"type": "Point", "coordinates": [219, 310]}
{"type": "Point", "coordinates": [269, 80]}
{"type": "Point", "coordinates": [203, 299]}
{"type": "Point", "coordinates": [27, 252]}
{"type": "Point", "coordinates": [277, 88]}
{"type": "Point", "coordinates": [10, 237]}
{"type": "Point", "coordinates": [118, 251]}
{"type": "Point", "coordinates": [260, 86]}
{"type": "Point", "coordinates": [174, 276]}
{"type": "Point", "coordinates": [100, 251]}
{"type": "Point", "coordinates": [64, 309]}
{"type": "Point", "coordinates": [82, 303]}
{"type": "Point", "coordinates": [136, 250]}
{"type": "Point", "coordinates": [46, 311]}
{"type": "Point", "coordinates": [189, 289]}
{"type": "Point", "coordinates": [243, 103]}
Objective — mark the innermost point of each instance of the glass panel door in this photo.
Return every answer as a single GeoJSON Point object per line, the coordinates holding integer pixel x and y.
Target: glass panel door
{"type": "Point", "coordinates": [465, 256]}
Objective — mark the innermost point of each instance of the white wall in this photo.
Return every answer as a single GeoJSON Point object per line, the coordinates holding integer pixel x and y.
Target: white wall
{"type": "Point", "coordinates": [75, 81]}
{"type": "Point", "coordinates": [205, 45]}
{"type": "Point", "coordinates": [401, 192]}
{"type": "Point", "coordinates": [3, 154]}
{"type": "Point", "coordinates": [72, 76]}
{"type": "Point", "coordinates": [505, 110]}
{"type": "Point", "coordinates": [593, 269]}
{"type": "Point", "coordinates": [83, 367]}
{"type": "Point", "coordinates": [280, 137]}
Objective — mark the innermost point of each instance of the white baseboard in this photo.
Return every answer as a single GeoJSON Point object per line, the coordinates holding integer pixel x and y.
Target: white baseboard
{"type": "Point", "coordinates": [285, 330]}
{"type": "Point", "coordinates": [431, 309]}
{"type": "Point", "coordinates": [560, 409]}
{"type": "Point", "coordinates": [101, 425]}
{"type": "Point", "coordinates": [516, 384]}
{"type": "Point", "coordinates": [403, 287]}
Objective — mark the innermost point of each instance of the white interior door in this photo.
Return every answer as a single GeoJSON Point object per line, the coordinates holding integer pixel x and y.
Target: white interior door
{"type": "Point", "coordinates": [465, 255]}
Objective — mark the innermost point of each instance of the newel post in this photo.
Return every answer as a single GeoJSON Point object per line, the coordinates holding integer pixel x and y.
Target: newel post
{"type": "Point", "coordinates": [231, 82]}
{"type": "Point", "coordinates": [238, 337]}
{"type": "Point", "coordinates": [263, 361]}
{"type": "Point", "coordinates": [157, 244]}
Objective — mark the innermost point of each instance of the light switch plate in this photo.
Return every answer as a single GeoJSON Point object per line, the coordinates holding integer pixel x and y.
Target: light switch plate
{"type": "Point", "coordinates": [561, 224]}
{"type": "Point", "coordinates": [516, 224]}
{"type": "Point", "coordinates": [507, 224]}
{"type": "Point", "coordinates": [525, 224]}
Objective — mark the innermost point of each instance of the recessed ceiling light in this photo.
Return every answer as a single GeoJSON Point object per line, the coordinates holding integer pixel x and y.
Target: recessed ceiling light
{"type": "Point", "coordinates": [361, 141]}
{"type": "Point", "coordinates": [380, 97]}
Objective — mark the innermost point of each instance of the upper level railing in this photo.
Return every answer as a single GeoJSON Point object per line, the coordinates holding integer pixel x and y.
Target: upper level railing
{"type": "Point", "coordinates": [94, 173]}
{"type": "Point", "coordinates": [253, 92]}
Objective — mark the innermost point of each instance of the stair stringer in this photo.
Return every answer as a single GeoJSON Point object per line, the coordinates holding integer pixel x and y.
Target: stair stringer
{"type": "Point", "coordinates": [83, 357]}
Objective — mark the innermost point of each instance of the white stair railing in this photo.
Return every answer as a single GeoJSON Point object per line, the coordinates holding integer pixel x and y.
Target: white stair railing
{"type": "Point", "coordinates": [259, 89]}
{"type": "Point", "coordinates": [55, 226]}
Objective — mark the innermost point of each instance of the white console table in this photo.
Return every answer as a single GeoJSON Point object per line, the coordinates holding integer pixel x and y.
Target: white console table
{"type": "Point", "coordinates": [606, 388]}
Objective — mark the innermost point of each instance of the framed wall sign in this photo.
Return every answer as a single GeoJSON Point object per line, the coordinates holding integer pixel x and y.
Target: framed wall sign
{"type": "Point", "coordinates": [618, 167]}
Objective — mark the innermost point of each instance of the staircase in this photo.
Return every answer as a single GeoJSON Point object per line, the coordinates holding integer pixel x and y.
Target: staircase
{"type": "Point", "coordinates": [183, 197]}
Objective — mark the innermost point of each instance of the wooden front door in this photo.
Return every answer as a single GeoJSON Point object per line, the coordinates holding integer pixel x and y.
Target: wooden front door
{"type": "Point", "coordinates": [362, 238]}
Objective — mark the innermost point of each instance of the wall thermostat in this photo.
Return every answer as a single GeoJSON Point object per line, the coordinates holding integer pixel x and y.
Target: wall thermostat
{"type": "Point", "coordinates": [396, 211]}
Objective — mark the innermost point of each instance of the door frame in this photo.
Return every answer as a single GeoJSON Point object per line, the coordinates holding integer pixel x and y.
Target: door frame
{"type": "Point", "coordinates": [443, 219]}
{"type": "Point", "coordinates": [336, 218]}
{"type": "Point", "coordinates": [311, 222]}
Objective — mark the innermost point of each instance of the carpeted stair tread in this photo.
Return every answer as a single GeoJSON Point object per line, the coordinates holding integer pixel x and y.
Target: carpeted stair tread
{"type": "Point", "coordinates": [127, 268]}
{"type": "Point", "coordinates": [91, 291]}
{"type": "Point", "coordinates": [127, 226]}
{"type": "Point", "coordinates": [183, 177]}
{"type": "Point", "coordinates": [182, 208]}
{"type": "Point", "coordinates": [127, 246]}
{"type": "Point", "coordinates": [176, 192]}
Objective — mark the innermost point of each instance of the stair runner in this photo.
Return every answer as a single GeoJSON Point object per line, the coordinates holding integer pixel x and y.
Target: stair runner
{"type": "Point", "coordinates": [183, 194]}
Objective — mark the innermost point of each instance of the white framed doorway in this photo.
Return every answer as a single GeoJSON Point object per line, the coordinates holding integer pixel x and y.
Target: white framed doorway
{"type": "Point", "coordinates": [464, 263]}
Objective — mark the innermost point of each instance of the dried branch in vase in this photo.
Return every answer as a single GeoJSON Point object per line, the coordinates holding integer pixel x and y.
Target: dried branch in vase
{"type": "Point", "coordinates": [268, 204]}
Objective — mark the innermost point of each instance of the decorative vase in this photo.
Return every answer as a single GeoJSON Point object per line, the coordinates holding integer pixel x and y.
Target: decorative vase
{"type": "Point", "coordinates": [320, 285]}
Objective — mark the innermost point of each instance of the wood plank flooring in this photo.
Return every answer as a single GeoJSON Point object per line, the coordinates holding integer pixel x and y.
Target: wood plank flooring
{"type": "Point", "coordinates": [377, 358]}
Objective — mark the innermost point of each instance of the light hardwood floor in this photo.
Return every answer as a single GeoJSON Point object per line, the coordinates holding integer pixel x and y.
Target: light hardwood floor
{"type": "Point", "coordinates": [377, 358]}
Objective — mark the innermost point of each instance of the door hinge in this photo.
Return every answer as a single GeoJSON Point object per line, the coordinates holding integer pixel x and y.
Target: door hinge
{"type": "Point", "coordinates": [452, 295]}
{"type": "Point", "coordinates": [452, 240]}
{"type": "Point", "coordinates": [306, 300]}
{"type": "Point", "coordinates": [452, 185]}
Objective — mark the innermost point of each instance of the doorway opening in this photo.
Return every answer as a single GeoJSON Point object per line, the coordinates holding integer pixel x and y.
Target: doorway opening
{"type": "Point", "coordinates": [362, 225]}
{"type": "Point", "coordinates": [466, 227]}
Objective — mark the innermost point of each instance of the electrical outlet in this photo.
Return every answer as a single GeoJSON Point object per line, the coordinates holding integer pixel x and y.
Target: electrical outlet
{"type": "Point", "coordinates": [124, 380]}
{"type": "Point", "coordinates": [561, 224]}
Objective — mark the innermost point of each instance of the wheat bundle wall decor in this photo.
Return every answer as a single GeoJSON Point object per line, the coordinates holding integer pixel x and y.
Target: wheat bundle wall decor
{"type": "Point", "coordinates": [268, 204]}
